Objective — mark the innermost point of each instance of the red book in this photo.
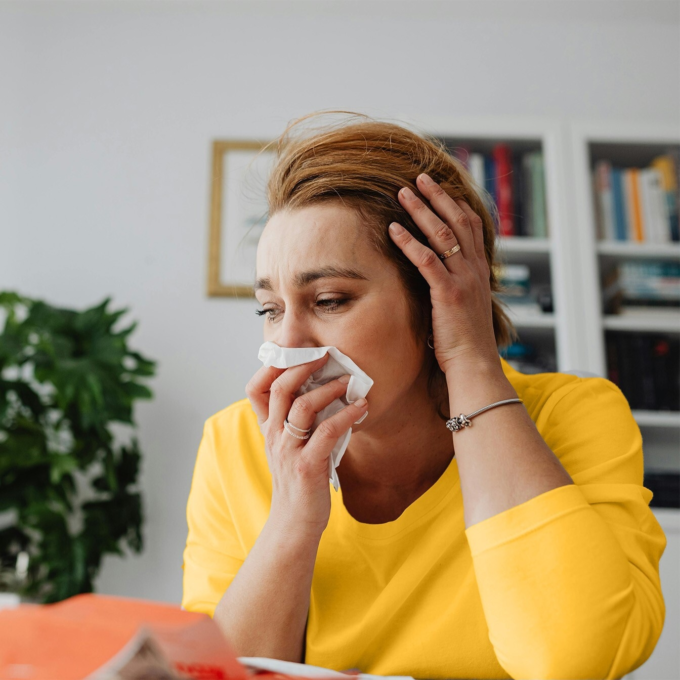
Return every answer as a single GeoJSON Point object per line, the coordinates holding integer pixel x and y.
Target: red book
{"type": "Point", "coordinates": [101, 636]}
{"type": "Point", "coordinates": [503, 158]}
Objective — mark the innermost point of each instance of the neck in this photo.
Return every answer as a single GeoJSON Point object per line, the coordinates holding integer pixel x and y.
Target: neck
{"type": "Point", "coordinates": [405, 455]}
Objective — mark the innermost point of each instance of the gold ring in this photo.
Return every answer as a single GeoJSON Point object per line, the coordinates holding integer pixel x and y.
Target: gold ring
{"type": "Point", "coordinates": [448, 253]}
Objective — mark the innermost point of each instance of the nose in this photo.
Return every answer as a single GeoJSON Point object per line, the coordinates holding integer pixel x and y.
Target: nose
{"type": "Point", "coordinates": [293, 331]}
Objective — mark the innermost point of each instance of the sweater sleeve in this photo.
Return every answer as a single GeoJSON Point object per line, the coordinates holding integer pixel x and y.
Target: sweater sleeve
{"type": "Point", "coordinates": [213, 553]}
{"type": "Point", "coordinates": [569, 580]}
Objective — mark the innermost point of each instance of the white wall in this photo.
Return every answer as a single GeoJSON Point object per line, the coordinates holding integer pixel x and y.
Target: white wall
{"type": "Point", "coordinates": [107, 112]}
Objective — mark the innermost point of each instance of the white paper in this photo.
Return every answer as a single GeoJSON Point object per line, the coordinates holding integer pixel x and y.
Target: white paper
{"type": "Point", "coordinates": [307, 671]}
{"type": "Point", "coordinates": [338, 364]}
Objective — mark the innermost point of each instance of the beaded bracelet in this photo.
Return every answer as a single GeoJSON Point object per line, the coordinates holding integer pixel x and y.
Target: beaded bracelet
{"type": "Point", "coordinates": [459, 422]}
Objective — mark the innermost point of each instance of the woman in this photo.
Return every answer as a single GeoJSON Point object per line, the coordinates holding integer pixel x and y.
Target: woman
{"type": "Point", "coordinates": [521, 545]}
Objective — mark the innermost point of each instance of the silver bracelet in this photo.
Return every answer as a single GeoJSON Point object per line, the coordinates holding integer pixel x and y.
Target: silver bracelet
{"type": "Point", "coordinates": [459, 422]}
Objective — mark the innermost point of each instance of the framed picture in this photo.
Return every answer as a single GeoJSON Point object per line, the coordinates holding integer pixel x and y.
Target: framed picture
{"type": "Point", "coordinates": [238, 214]}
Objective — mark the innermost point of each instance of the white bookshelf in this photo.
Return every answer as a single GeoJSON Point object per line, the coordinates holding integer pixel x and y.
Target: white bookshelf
{"type": "Point", "coordinates": [630, 145]}
{"type": "Point", "coordinates": [573, 256]}
{"type": "Point", "coordinates": [548, 258]}
{"type": "Point", "coordinates": [633, 144]}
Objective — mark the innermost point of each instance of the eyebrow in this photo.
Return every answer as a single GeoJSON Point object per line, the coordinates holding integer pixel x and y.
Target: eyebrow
{"type": "Point", "coordinates": [305, 278]}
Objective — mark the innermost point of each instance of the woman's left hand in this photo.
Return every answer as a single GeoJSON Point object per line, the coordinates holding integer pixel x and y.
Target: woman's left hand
{"type": "Point", "coordinates": [462, 323]}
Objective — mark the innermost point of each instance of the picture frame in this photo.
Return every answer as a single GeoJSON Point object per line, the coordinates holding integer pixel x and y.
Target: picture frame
{"type": "Point", "coordinates": [238, 214]}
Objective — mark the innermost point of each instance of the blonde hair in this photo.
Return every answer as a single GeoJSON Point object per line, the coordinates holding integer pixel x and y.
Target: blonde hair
{"type": "Point", "coordinates": [363, 164]}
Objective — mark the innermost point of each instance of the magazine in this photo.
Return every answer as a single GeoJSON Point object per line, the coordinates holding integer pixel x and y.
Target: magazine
{"type": "Point", "coordinates": [98, 637]}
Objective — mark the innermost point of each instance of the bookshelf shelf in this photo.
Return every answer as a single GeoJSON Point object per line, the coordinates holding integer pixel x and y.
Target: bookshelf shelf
{"type": "Point", "coordinates": [524, 250]}
{"type": "Point", "coordinates": [657, 251]}
{"type": "Point", "coordinates": [523, 244]}
{"type": "Point", "coordinates": [573, 260]}
{"type": "Point", "coordinates": [661, 322]}
{"type": "Point", "coordinates": [522, 319]}
{"type": "Point", "coordinates": [657, 418]}
{"type": "Point", "coordinates": [533, 165]}
{"type": "Point", "coordinates": [624, 146]}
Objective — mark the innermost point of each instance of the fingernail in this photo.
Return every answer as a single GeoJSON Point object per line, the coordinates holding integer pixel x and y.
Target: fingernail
{"type": "Point", "coordinates": [360, 402]}
{"type": "Point", "coordinates": [426, 179]}
{"type": "Point", "coordinates": [407, 194]}
{"type": "Point", "coordinates": [396, 228]}
{"type": "Point", "coordinates": [344, 379]}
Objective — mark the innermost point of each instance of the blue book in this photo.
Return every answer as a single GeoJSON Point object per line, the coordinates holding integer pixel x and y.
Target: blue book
{"type": "Point", "coordinates": [490, 184]}
{"type": "Point", "coordinates": [490, 177]}
{"type": "Point", "coordinates": [620, 227]}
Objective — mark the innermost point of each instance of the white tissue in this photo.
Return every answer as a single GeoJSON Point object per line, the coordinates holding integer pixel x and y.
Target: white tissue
{"type": "Point", "coordinates": [338, 364]}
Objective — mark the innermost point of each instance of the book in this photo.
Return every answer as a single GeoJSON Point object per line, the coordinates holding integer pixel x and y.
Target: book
{"type": "Point", "coordinates": [604, 200]}
{"type": "Point", "coordinates": [504, 198]}
{"type": "Point", "coordinates": [490, 182]}
{"type": "Point", "coordinates": [650, 185]}
{"type": "Point", "coordinates": [476, 169]}
{"type": "Point", "coordinates": [667, 165]}
{"type": "Point", "coordinates": [636, 206]}
{"type": "Point", "coordinates": [620, 219]}
{"type": "Point", "coordinates": [628, 209]}
{"type": "Point", "coordinates": [646, 368]}
{"type": "Point", "coordinates": [527, 195]}
{"type": "Point", "coordinates": [518, 195]}
{"type": "Point", "coordinates": [659, 206]}
{"type": "Point", "coordinates": [100, 637]}
{"type": "Point", "coordinates": [539, 195]}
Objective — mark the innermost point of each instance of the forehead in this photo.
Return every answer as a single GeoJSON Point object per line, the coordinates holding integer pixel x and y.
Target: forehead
{"type": "Point", "coordinates": [327, 235]}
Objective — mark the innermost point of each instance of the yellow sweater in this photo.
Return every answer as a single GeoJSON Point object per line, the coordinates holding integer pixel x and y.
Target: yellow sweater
{"type": "Point", "coordinates": [564, 585]}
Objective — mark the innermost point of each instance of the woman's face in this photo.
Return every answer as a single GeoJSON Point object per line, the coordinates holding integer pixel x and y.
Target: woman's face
{"type": "Point", "coordinates": [322, 283]}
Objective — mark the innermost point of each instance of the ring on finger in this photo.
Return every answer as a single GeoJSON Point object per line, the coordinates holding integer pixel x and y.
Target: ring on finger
{"type": "Point", "coordinates": [450, 252]}
{"type": "Point", "coordinates": [287, 427]}
{"type": "Point", "coordinates": [295, 427]}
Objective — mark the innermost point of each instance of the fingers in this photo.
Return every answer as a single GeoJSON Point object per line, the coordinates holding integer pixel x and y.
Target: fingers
{"type": "Point", "coordinates": [283, 389]}
{"type": "Point", "coordinates": [258, 389]}
{"type": "Point", "coordinates": [428, 262]}
{"type": "Point", "coordinates": [439, 234]}
{"type": "Point", "coordinates": [477, 227]}
{"type": "Point", "coordinates": [446, 228]}
{"type": "Point", "coordinates": [325, 436]}
{"type": "Point", "coordinates": [305, 407]}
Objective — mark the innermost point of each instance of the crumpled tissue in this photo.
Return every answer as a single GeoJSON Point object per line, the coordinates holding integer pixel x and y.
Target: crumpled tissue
{"type": "Point", "coordinates": [338, 364]}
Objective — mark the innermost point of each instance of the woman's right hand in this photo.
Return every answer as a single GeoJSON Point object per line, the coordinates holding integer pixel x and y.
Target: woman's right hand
{"type": "Point", "coordinates": [301, 500]}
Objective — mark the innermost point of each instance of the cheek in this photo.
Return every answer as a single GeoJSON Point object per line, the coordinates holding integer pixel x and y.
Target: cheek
{"type": "Point", "coordinates": [383, 346]}
{"type": "Point", "coordinates": [379, 337]}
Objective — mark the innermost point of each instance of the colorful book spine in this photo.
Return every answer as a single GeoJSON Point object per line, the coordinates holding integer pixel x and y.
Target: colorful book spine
{"type": "Point", "coordinates": [646, 367]}
{"type": "Point", "coordinates": [502, 159]}
{"type": "Point", "coordinates": [604, 200]}
{"type": "Point", "coordinates": [518, 195]}
{"type": "Point", "coordinates": [646, 205]}
{"type": "Point", "coordinates": [476, 168]}
{"type": "Point", "coordinates": [628, 210]}
{"type": "Point", "coordinates": [528, 195]}
{"type": "Point", "coordinates": [654, 208]}
{"type": "Point", "coordinates": [540, 213]}
{"type": "Point", "coordinates": [638, 205]}
{"type": "Point", "coordinates": [620, 225]}
{"type": "Point", "coordinates": [667, 165]}
{"type": "Point", "coordinates": [514, 182]}
{"type": "Point", "coordinates": [490, 181]}
{"type": "Point", "coordinates": [637, 232]}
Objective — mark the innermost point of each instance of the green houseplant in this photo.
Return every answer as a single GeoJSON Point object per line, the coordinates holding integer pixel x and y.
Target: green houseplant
{"type": "Point", "coordinates": [67, 489]}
